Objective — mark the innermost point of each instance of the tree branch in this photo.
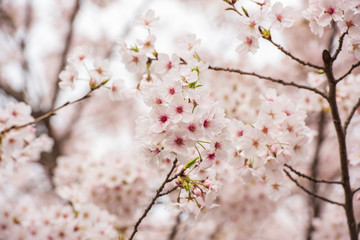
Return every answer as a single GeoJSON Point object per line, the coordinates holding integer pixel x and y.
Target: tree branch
{"type": "Point", "coordinates": [292, 56]}
{"type": "Point", "coordinates": [348, 72]}
{"type": "Point", "coordinates": [157, 195]}
{"type": "Point", "coordinates": [170, 191]}
{"type": "Point", "coordinates": [338, 50]}
{"type": "Point", "coordinates": [311, 193]}
{"type": "Point", "coordinates": [341, 138]}
{"type": "Point", "coordinates": [310, 178]}
{"type": "Point", "coordinates": [66, 48]}
{"type": "Point", "coordinates": [353, 110]}
{"type": "Point", "coordinates": [356, 190]}
{"type": "Point", "coordinates": [50, 113]}
{"type": "Point", "coordinates": [279, 81]}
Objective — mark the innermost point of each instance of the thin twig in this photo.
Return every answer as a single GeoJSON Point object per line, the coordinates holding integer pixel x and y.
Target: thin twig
{"type": "Point", "coordinates": [292, 56]}
{"type": "Point", "coordinates": [353, 110]}
{"type": "Point", "coordinates": [282, 82]}
{"type": "Point", "coordinates": [341, 41]}
{"type": "Point", "coordinates": [356, 190]}
{"type": "Point", "coordinates": [169, 191]}
{"type": "Point", "coordinates": [181, 173]}
{"type": "Point", "coordinates": [314, 169]}
{"type": "Point", "coordinates": [50, 113]}
{"type": "Point", "coordinates": [157, 195]}
{"type": "Point", "coordinates": [348, 72]}
{"type": "Point", "coordinates": [310, 178]}
{"type": "Point", "coordinates": [66, 50]}
{"type": "Point", "coordinates": [311, 193]}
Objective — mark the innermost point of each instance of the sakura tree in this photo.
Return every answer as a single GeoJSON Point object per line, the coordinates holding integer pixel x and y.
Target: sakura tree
{"type": "Point", "coordinates": [132, 140]}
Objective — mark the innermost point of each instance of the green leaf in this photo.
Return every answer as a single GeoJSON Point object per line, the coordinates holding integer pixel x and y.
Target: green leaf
{"type": "Point", "coordinates": [190, 163]}
{"type": "Point", "coordinates": [245, 12]}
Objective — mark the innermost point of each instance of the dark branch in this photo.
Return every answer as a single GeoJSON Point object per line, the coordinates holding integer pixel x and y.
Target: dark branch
{"type": "Point", "coordinates": [170, 191]}
{"type": "Point", "coordinates": [353, 110]}
{"type": "Point", "coordinates": [292, 56]}
{"type": "Point", "coordinates": [341, 41]}
{"type": "Point", "coordinates": [311, 193]}
{"type": "Point", "coordinates": [356, 190]}
{"type": "Point", "coordinates": [66, 48]}
{"type": "Point", "coordinates": [310, 178]}
{"type": "Point", "coordinates": [157, 195]}
{"type": "Point", "coordinates": [50, 113]}
{"type": "Point", "coordinates": [348, 72]}
{"type": "Point", "coordinates": [279, 81]}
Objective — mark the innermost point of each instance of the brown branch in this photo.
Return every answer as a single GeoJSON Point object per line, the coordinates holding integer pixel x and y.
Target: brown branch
{"type": "Point", "coordinates": [169, 191]}
{"type": "Point", "coordinates": [356, 190]}
{"type": "Point", "coordinates": [311, 193]}
{"type": "Point", "coordinates": [348, 120]}
{"type": "Point", "coordinates": [292, 56]}
{"type": "Point", "coordinates": [66, 48]}
{"type": "Point", "coordinates": [50, 113]}
{"type": "Point", "coordinates": [348, 72]}
{"type": "Point", "coordinates": [157, 195]}
{"type": "Point", "coordinates": [341, 137]}
{"type": "Point", "coordinates": [338, 50]}
{"type": "Point", "coordinates": [314, 204]}
{"type": "Point", "coordinates": [310, 178]}
{"type": "Point", "coordinates": [279, 81]}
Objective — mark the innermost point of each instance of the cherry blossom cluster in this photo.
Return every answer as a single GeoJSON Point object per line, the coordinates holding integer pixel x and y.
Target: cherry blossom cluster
{"type": "Point", "coordinates": [258, 24]}
{"type": "Point", "coordinates": [20, 145]}
{"type": "Point", "coordinates": [25, 220]}
{"type": "Point", "coordinates": [346, 14]}
{"type": "Point", "coordinates": [81, 67]}
{"type": "Point", "coordinates": [113, 183]}
{"type": "Point", "coordinates": [182, 123]}
{"type": "Point", "coordinates": [279, 136]}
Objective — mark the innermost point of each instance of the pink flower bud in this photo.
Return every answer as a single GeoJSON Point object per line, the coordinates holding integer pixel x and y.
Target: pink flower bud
{"type": "Point", "coordinates": [197, 191]}
{"type": "Point", "coordinates": [207, 183]}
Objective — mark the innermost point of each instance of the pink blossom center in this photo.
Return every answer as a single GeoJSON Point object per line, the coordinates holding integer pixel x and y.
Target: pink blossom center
{"type": "Point", "coordinates": [265, 130]}
{"type": "Point", "coordinates": [14, 113]}
{"type": "Point", "coordinates": [217, 145]}
{"type": "Point", "coordinates": [279, 17]}
{"type": "Point", "coordinates": [163, 118]}
{"type": "Point", "coordinates": [169, 65]}
{"type": "Point", "coordinates": [135, 59]}
{"type": "Point", "coordinates": [252, 24]}
{"type": "Point", "coordinates": [179, 109]}
{"type": "Point", "coordinates": [240, 133]}
{"type": "Point", "coordinates": [179, 141]}
{"type": "Point", "coordinates": [211, 156]}
{"type": "Point", "coordinates": [206, 123]}
{"type": "Point", "coordinates": [172, 91]}
{"type": "Point", "coordinates": [330, 11]}
{"type": "Point", "coordinates": [249, 41]}
{"type": "Point", "coordinates": [192, 127]}
{"type": "Point", "coordinates": [114, 88]}
{"type": "Point", "coordinates": [158, 101]}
